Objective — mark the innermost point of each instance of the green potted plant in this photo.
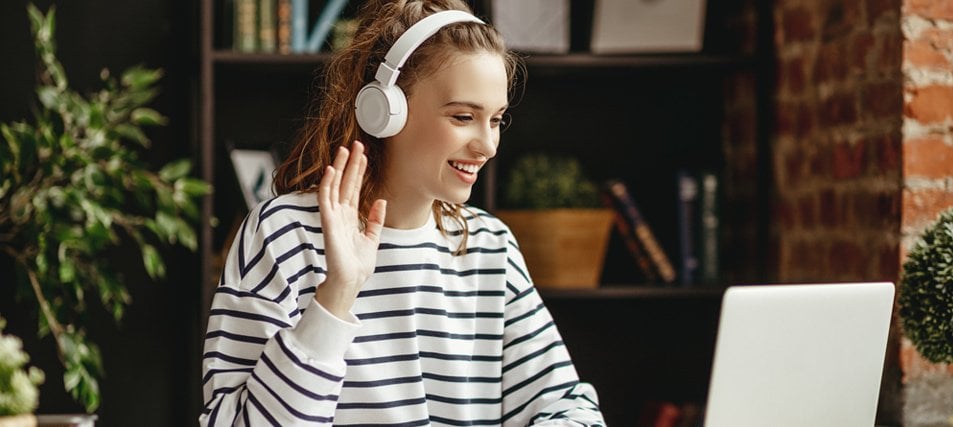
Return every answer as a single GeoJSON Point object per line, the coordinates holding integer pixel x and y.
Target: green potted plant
{"type": "Point", "coordinates": [555, 213]}
{"type": "Point", "coordinates": [72, 187]}
{"type": "Point", "coordinates": [926, 292]}
{"type": "Point", "coordinates": [18, 385]}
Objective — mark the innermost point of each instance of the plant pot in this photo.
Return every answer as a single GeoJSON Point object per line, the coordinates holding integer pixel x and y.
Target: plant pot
{"type": "Point", "coordinates": [563, 248]}
{"type": "Point", "coordinates": [26, 420]}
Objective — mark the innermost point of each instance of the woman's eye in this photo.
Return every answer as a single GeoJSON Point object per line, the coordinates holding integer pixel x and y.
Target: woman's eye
{"type": "Point", "coordinates": [462, 117]}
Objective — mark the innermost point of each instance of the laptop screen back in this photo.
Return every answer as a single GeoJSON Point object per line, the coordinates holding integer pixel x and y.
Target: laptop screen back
{"type": "Point", "coordinates": [799, 355]}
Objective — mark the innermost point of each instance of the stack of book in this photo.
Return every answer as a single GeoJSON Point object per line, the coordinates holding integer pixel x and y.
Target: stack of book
{"type": "Point", "coordinates": [281, 26]}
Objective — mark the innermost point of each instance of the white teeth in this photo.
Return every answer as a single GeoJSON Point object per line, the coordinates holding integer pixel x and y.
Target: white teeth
{"type": "Point", "coordinates": [466, 167]}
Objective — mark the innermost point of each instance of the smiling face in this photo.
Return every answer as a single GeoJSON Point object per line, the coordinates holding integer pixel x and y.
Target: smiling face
{"type": "Point", "coordinates": [453, 128]}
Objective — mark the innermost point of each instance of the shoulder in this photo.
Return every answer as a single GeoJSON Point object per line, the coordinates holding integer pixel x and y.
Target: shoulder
{"type": "Point", "coordinates": [279, 211]}
{"type": "Point", "coordinates": [483, 225]}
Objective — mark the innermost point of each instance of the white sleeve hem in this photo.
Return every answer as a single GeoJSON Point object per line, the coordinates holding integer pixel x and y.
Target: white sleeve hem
{"type": "Point", "coordinates": [322, 335]}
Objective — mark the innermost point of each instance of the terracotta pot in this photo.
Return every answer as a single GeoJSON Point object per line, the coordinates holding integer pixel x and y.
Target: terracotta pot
{"type": "Point", "coordinates": [563, 248]}
{"type": "Point", "coordinates": [26, 420]}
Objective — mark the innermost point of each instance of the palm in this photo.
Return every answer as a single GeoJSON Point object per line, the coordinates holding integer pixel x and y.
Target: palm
{"type": "Point", "coordinates": [350, 249]}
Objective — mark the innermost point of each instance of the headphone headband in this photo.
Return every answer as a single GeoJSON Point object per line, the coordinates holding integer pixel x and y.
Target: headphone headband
{"type": "Point", "coordinates": [405, 45]}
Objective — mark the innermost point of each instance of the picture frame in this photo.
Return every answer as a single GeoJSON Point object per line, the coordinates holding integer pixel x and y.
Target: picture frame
{"type": "Point", "coordinates": [648, 26]}
{"type": "Point", "coordinates": [254, 170]}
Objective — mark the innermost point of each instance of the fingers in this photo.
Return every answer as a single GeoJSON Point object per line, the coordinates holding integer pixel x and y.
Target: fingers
{"type": "Point", "coordinates": [353, 175]}
{"type": "Point", "coordinates": [375, 219]}
{"type": "Point", "coordinates": [340, 160]}
{"type": "Point", "coordinates": [324, 188]}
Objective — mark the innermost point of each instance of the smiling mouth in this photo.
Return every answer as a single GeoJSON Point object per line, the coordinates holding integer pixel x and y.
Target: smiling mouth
{"type": "Point", "coordinates": [464, 167]}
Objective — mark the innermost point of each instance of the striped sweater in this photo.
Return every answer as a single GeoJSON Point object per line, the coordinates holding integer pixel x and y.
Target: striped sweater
{"type": "Point", "coordinates": [434, 338]}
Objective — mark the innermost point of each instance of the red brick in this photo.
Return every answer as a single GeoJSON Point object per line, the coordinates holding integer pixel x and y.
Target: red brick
{"type": "Point", "coordinates": [846, 255]}
{"type": "Point", "coordinates": [829, 209]}
{"type": "Point", "coordinates": [821, 162]}
{"type": "Point", "coordinates": [889, 148]}
{"type": "Point", "coordinates": [930, 9]}
{"type": "Point", "coordinates": [839, 109]}
{"type": "Point", "coordinates": [806, 123]}
{"type": "Point", "coordinates": [878, 8]}
{"type": "Point", "coordinates": [860, 52]}
{"type": "Point", "coordinates": [930, 104]}
{"type": "Point", "coordinates": [794, 77]}
{"type": "Point", "coordinates": [922, 53]}
{"type": "Point", "coordinates": [939, 39]}
{"type": "Point", "coordinates": [915, 366]}
{"type": "Point", "coordinates": [797, 25]}
{"type": "Point", "coordinates": [849, 160]}
{"type": "Point", "coordinates": [888, 263]}
{"type": "Point", "coordinates": [841, 17]}
{"type": "Point", "coordinates": [806, 211]}
{"type": "Point", "coordinates": [793, 166]}
{"type": "Point", "coordinates": [883, 100]}
{"type": "Point", "coordinates": [785, 117]}
{"type": "Point", "coordinates": [921, 206]}
{"type": "Point", "coordinates": [928, 157]}
{"type": "Point", "coordinates": [890, 54]}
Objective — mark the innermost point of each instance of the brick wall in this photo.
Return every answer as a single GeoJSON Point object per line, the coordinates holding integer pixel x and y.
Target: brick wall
{"type": "Point", "coordinates": [927, 177]}
{"type": "Point", "coordinates": [836, 150]}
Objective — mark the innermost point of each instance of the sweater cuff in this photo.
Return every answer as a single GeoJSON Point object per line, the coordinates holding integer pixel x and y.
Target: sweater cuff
{"type": "Point", "coordinates": [322, 335]}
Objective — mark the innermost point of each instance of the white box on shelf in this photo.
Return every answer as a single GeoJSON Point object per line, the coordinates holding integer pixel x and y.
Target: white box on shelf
{"type": "Point", "coordinates": [533, 25]}
{"type": "Point", "coordinates": [648, 26]}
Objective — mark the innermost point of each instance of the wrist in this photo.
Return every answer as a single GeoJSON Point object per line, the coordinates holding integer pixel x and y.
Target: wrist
{"type": "Point", "coordinates": [336, 298]}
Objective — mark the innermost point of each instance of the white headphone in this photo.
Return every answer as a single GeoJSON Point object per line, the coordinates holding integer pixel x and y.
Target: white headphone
{"type": "Point", "coordinates": [381, 106]}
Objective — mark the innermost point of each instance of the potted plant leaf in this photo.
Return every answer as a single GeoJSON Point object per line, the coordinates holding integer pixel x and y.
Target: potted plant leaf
{"type": "Point", "coordinates": [72, 188]}
{"type": "Point", "coordinates": [555, 213]}
{"type": "Point", "coordinates": [19, 395]}
{"type": "Point", "coordinates": [926, 291]}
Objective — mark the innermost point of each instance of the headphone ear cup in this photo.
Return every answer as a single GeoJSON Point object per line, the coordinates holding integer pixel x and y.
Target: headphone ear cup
{"type": "Point", "coordinates": [381, 111]}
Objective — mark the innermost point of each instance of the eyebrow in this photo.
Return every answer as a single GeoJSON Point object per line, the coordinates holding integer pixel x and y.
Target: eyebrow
{"type": "Point", "coordinates": [472, 105]}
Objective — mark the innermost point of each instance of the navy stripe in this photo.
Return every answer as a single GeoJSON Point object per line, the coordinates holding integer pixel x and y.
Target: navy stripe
{"type": "Point", "coordinates": [532, 355]}
{"type": "Point", "coordinates": [520, 408]}
{"type": "Point", "coordinates": [385, 337]}
{"type": "Point", "coordinates": [435, 267]}
{"type": "Point", "coordinates": [213, 372]}
{"type": "Point", "coordinates": [465, 401]}
{"type": "Point", "coordinates": [294, 359]}
{"type": "Point", "coordinates": [521, 295]}
{"type": "Point", "coordinates": [454, 379]}
{"type": "Point", "coordinates": [518, 269]}
{"type": "Point", "coordinates": [428, 289]}
{"type": "Point", "coordinates": [245, 315]}
{"type": "Point", "coordinates": [236, 337]}
{"type": "Point", "coordinates": [279, 208]}
{"type": "Point", "coordinates": [440, 248]}
{"type": "Point", "coordinates": [428, 311]}
{"type": "Point", "coordinates": [289, 408]}
{"type": "Point", "coordinates": [467, 357]}
{"type": "Point", "coordinates": [261, 409]}
{"type": "Point", "coordinates": [379, 383]}
{"type": "Point", "coordinates": [452, 422]}
{"type": "Point", "coordinates": [530, 335]}
{"type": "Point", "coordinates": [295, 386]}
{"type": "Point", "coordinates": [271, 238]}
{"type": "Point", "coordinates": [537, 376]}
{"type": "Point", "coordinates": [477, 231]}
{"type": "Point", "coordinates": [530, 313]}
{"type": "Point", "coordinates": [416, 423]}
{"type": "Point", "coordinates": [228, 358]}
{"type": "Point", "coordinates": [238, 293]}
{"type": "Point", "coordinates": [382, 405]}
{"type": "Point", "coordinates": [384, 359]}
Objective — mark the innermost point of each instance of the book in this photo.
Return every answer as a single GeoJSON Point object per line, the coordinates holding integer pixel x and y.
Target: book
{"type": "Point", "coordinates": [322, 27]}
{"type": "Point", "coordinates": [246, 25]}
{"type": "Point", "coordinates": [299, 25]}
{"type": "Point", "coordinates": [709, 242]}
{"type": "Point", "coordinates": [686, 215]}
{"type": "Point", "coordinates": [622, 227]}
{"type": "Point", "coordinates": [623, 202]}
{"type": "Point", "coordinates": [267, 21]}
{"type": "Point", "coordinates": [283, 30]}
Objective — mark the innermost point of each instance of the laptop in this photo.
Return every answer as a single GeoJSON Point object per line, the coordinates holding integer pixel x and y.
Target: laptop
{"type": "Point", "coordinates": [799, 355]}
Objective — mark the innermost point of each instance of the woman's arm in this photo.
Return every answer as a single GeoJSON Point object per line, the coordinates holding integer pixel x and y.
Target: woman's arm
{"type": "Point", "coordinates": [540, 383]}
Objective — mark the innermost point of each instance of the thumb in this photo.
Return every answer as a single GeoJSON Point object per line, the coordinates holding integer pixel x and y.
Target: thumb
{"type": "Point", "coordinates": [375, 219]}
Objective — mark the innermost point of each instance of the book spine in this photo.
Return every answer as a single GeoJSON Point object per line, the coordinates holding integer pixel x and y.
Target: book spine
{"type": "Point", "coordinates": [628, 238]}
{"type": "Point", "coordinates": [246, 37]}
{"type": "Point", "coordinates": [299, 22]}
{"type": "Point", "coordinates": [686, 211]}
{"type": "Point", "coordinates": [284, 26]}
{"type": "Point", "coordinates": [266, 25]}
{"type": "Point", "coordinates": [323, 26]}
{"type": "Point", "coordinates": [644, 235]}
{"type": "Point", "coordinates": [709, 242]}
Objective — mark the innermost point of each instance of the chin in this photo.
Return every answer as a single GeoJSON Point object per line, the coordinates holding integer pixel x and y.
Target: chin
{"type": "Point", "coordinates": [456, 198]}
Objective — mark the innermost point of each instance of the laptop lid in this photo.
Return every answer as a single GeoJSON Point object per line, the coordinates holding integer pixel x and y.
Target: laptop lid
{"type": "Point", "coordinates": [799, 355]}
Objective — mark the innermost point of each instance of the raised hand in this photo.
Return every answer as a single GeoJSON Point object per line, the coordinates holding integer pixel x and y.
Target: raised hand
{"type": "Point", "coordinates": [350, 250]}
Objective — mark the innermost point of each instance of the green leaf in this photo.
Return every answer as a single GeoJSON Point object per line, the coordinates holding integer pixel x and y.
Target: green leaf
{"type": "Point", "coordinates": [49, 97]}
{"type": "Point", "coordinates": [186, 235]}
{"type": "Point", "coordinates": [132, 133]}
{"type": "Point", "coordinates": [193, 187]}
{"type": "Point", "coordinates": [139, 77]}
{"type": "Point", "coordinates": [148, 117]}
{"type": "Point", "coordinates": [175, 170]}
{"type": "Point", "coordinates": [153, 262]}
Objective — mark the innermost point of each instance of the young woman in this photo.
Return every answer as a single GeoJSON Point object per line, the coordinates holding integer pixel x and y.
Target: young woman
{"type": "Point", "coordinates": [366, 292]}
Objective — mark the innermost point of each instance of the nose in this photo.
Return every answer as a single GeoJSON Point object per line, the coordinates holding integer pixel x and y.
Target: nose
{"type": "Point", "coordinates": [486, 141]}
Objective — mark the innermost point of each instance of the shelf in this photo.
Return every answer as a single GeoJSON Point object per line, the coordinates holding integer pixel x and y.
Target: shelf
{"type": "Point", "coordinates": [633, 292]}
{"type": "Point", "coordinates": [572, 60]}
